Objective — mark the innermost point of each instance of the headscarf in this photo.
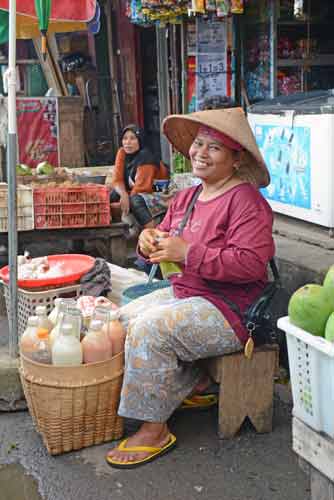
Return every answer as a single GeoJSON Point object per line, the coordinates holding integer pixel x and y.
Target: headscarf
{"type": "Point", "coordinates": [220, 137]}
{"type": "Point", "coordinates": [141, 157]}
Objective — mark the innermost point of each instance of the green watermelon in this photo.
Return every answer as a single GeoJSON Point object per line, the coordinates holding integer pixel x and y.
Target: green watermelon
{"type": "Point", "coordinates": [310, 307]}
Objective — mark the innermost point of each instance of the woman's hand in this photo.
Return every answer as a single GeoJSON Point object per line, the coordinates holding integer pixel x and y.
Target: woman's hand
{"type": "Point", "coordinates": [125, 203]}
{"type": "Point", "coordinates": [170, 249]}
{"type": "Point", "coordinates": [148, 240]}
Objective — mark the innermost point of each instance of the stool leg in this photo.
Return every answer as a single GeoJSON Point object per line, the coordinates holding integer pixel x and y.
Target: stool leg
{"type": "Point", "coordinates": [230, 416]}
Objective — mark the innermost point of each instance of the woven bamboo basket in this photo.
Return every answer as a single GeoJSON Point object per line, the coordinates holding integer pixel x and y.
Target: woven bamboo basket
{"type": "Point", "coordinates": [74, 407]}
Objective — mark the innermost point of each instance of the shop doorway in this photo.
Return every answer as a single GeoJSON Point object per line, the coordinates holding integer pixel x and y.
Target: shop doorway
{"type": "Point", "coordinates": [149, 78]}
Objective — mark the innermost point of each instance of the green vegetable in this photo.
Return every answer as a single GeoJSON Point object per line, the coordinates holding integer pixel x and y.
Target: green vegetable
{"type": "Point", "coordinates": [22, 169]}
{"type": "Point", "coordinates": [44, 168]}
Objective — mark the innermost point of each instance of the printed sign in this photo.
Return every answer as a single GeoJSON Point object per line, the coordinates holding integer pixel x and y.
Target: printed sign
{"type": "Point", "coordinates": [287, 153]}
{"type": "Point", "coordinates": [211, 61]}
{"type": "Point", "coordinates": [37, 131]}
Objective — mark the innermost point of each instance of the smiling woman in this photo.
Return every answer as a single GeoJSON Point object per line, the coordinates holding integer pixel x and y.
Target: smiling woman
{"type": "Point", "coordinates": [222, 251]}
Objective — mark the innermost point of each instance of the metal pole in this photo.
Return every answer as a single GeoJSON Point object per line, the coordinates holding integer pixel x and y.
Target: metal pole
{"type": "Point", "coordinates": [163, 87]}
{"type": "Point", "coordinates": [11, 179]}
{"type": "Point", "coordinates": [273, 48]}
{"type": "Point", "coordinates": [184, 66]}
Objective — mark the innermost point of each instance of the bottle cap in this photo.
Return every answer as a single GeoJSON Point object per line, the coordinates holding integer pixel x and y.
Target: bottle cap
{"type": "Point", "coordinates": [42, 333]}
{"type": "Point", "coordinates": [33, 321]}
{"type": "Point", "coordinates": [40, 310]}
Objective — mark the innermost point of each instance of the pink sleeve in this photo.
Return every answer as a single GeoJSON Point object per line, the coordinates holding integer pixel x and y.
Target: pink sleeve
{"type": "Point", "coordinates": [247, 246]}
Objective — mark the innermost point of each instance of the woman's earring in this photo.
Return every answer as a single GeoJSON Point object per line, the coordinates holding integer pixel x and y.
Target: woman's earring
{"type": "Point", "coordinates": [236, 166]}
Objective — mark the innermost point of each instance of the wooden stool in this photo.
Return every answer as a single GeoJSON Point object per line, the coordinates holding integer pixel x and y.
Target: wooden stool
{"type": "Point", "coordinates": [246, 389]}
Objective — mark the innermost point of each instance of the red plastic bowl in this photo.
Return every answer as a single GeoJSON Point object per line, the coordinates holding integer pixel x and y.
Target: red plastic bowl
{"type": "Point", "coordinates": [74, 266]}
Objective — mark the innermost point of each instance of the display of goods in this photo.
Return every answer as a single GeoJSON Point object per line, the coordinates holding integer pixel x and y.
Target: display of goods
{"type": "Point", "coordinates": [311, 362]}
{"type": "Point", "coordinates": [28, 300]}
{"type": "Point", "coordinates": [74, 407]}
{"type": "Point", "coordinates": [25, 213]}
{"type": "Point", "coordinates": [147, 12]}
{"type": "Point", "coordinates": [288, 85]}
{"type": "Point", "coordinates": [76, 206]}
{"type": "Point", "coordinates": [310, 307]}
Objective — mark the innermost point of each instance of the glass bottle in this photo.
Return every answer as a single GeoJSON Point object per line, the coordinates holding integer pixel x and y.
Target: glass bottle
{"type": "Point", "coordinates": [67, 349]}
{"type": "Point", "coordinates": [29, 336]}
{"type": "Point", "coordinates": [96, 345]}
{"type": "Point", "coordinates": [53, 316]}
{"type": "Point", "coordinates": [43, 320]}
{"type": "Point", "coordinates": [62, 308]}
{"type": "Point", "coordinates": [73, 317]}
{"type": "Point", "coordinates": [41, 352]}
{"type": "Point", "coordinates": [116, 332]}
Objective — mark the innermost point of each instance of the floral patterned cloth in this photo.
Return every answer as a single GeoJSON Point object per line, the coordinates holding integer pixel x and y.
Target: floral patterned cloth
{"type": "Point", "coordinates": [165, 338]}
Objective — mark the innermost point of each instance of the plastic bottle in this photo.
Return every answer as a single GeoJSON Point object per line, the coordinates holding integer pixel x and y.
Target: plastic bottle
{"type": "Point", "coordinates": [96, 345]}
{"type": "Point", "coordinates": [43, 320]}
{"type": "Point", "coordinates": [41, 349]}
{"type": "Point", "coordinates": [29, 337]}
{"type": "Point", "coordinates": [66, 350]}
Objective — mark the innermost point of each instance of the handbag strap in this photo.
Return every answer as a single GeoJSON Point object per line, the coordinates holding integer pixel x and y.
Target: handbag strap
{"type": "Point", "coordinates": [190, 208]}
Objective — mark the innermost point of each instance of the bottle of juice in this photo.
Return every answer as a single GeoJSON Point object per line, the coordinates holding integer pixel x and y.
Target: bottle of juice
{"type": "Point", "coordinates": [66, 350]}
{"type": "Point", "coordinates": [96, 345]}
{"type": "Point", "coordinates": [29, 337]}
{"type": "Point", "coordinates": [41, 349]}
{"type": "Point", "coordinates": [43, 320]}
{"type": "Point", "coordinates": [116, 333]}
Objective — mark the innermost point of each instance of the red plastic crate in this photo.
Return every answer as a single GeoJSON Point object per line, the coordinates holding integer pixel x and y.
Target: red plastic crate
{"type": "Point", "coordinates": [82, 206]}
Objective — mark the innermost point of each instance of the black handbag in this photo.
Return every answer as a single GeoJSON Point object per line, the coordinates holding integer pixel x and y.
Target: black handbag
{"type": "Point", "coordinates": [258, 318]}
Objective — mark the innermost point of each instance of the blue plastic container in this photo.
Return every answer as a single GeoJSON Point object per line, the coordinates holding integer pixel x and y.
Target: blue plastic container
{"type": "Point", "coordinates": [136, 291]}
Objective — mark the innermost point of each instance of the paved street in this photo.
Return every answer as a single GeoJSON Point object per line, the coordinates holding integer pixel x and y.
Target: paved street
{"type": "Point", "coordinates": [249, 467]}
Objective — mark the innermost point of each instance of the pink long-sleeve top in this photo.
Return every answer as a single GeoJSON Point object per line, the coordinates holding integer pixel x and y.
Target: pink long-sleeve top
{"type": "Point", "coordinates": [231, 244]}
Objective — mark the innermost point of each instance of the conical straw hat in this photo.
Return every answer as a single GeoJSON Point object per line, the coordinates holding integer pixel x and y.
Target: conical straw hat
{"type": "Point", "coordinates": [181, 131]}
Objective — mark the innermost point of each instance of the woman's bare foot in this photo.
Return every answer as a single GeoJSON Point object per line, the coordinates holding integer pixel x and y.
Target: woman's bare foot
{"type": "Point", "coordinates": [150, 434]}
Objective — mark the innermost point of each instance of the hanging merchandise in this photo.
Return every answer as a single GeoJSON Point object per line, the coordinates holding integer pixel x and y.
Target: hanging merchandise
{"type": "Point", "coordinates": [237, 6]}
{"type": "Point", "coordinates": [148, 12]}
{"type": "Point", "coordinates": [223, 8]}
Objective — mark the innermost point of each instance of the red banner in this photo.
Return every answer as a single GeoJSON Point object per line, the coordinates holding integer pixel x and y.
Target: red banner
{"type": "Point", "coordinates": [37, 131]}
{"type": "Point", "coordinates": [61, 10]}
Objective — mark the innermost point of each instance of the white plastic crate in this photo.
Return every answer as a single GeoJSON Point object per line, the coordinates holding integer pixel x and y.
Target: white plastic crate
{"type": "Point", "coordinates": [27, 301]}
{"type": "Point", "coordinates": [25, 211]}
{"type": "Point", "coordinates": [311, 362]}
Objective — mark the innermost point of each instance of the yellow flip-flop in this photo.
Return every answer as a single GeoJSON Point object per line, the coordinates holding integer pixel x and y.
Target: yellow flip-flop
{"type": "Point", "coordinates": [199, 402]}
{"type": "Point", "coordinates": [154, 452]}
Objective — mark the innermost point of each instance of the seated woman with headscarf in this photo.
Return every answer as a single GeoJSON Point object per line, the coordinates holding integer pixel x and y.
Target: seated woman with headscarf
{"type": "Point", "coordinates": [133, 177]}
